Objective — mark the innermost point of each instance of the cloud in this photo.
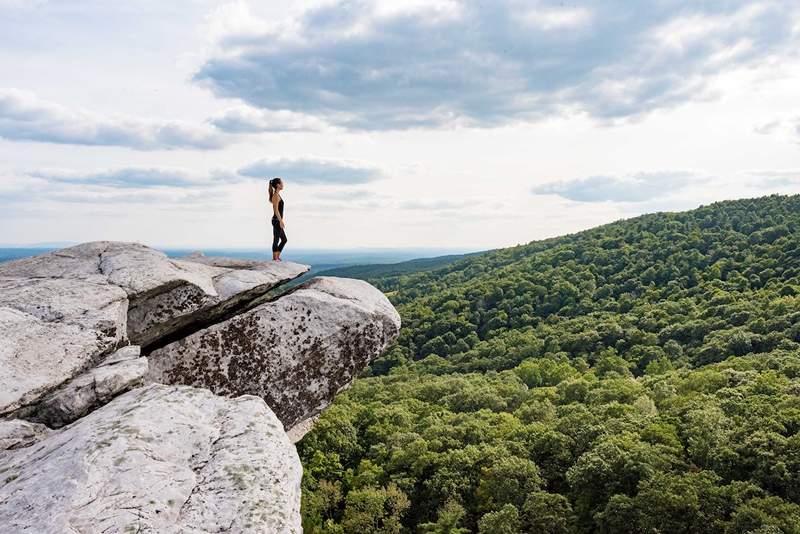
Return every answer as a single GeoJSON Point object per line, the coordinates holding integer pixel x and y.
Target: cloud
{"type": "Point", "coordinates": [346, 194]}
{"type": "Point", "coordinates": [313, 171]}
{"type": "Point", "coordinates": [154, 186]}
{"type": "Point", "coordinates": [362, 64]}
{"type": "Point", "coordinates": [24, 117]}
{"type": "Point", "coordinates": [767, 128]}
{"type": "Point", "coordinates": [246, 119]}
{"type": "Point", "coordinates": [136, 178]}
{"type": "Point", "coordinates": [437, 205]}
{"type": "Point", "coordinates": [775, 179]}
{"type": "Point", "coordinates": [637, 188]}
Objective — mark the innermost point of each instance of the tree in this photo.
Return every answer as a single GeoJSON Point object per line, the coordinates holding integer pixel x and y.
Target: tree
{"type": "Point", "coordinates": [448, 519]}
{"type": "Point", "coordinates": [547, 513]}
{"type": "Point", "coordinates": [503, 521]}
{"type": "Point", "coordinates": [372, 509]}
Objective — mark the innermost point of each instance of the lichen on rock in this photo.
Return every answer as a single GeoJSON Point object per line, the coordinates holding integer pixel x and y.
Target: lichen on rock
{"type": "Point", "coordinates": [296, 352]}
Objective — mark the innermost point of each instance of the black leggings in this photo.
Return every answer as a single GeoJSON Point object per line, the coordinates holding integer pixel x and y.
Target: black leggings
{"type": "Point", "coordinates": [278, 237]}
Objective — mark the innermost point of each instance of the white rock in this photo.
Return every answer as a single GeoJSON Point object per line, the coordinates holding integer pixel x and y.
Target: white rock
{"type": "Point", "coordinates": [118, 373]}
{"type": "Point", "coordinates": [296, 352]}
{"type": "Point", "coordinates": [302, 428]}
{"type": "Point", "coordinates": [61, 312]}
{"type": "Point", "coordinates": [165, 459]}
{"type": "Point", "coordinates": [50, 330]}
{"type": "Point", "coordinates": [16, 433]}
{"type": "Point", "coordinates": [131, 352]}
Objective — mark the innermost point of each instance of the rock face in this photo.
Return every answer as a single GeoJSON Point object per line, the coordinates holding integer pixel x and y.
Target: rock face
{"type": "Point", "coordinates": [50, 330]}
{"type": "Point", "coordinates": [118, 373]}
{"type": "Point", "coordinates": [82, 330]}
{"type": "Point", "coordinates": [16, 434]}
{"type": "Point", "coordinates": [157, 459]}
{"type": "Point", "coordinates": [78, 304]}
{"type": "Point", "coordinates": [296, 352]}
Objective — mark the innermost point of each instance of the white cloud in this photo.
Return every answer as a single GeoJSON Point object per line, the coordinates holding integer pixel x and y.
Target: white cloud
{"type": "Point", "coordinates": [24, 117]}
{"type": "Point", "coordinates": [247, 119]}
{"type": "Point", "coordinates": [637, 188]}
{"type": "Point", "coordinates": [775, 179]}
{"type": "Point", "coordinates": [137, 178]}
{"type": "Point", "coordinates": [174, 187]}
{"type": "Point", "coordinates": [767, 128]}
{"type": "Point", "coordinates": [547, 18]}
{"type": "Point", "coordinates": [314, 171]}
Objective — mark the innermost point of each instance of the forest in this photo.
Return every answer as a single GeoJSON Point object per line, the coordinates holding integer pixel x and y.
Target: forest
{"type": "Point", "coordinates": [638, 377]}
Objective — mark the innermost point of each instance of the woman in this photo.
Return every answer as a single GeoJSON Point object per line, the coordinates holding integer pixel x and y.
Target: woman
{"type": "Point", "coordinates": [278, 234]}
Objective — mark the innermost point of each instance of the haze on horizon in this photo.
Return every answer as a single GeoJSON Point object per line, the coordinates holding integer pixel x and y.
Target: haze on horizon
{"type": "Point", "coordinates": [444, 123]}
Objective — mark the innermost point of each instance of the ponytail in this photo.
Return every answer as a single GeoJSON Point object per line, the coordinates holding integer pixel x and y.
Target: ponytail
{"type": "Point", "coordinates": [273, 186]}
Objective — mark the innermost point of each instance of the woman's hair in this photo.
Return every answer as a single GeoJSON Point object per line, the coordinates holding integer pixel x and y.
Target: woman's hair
{"type": "Point", "coordinates": [273, 185]}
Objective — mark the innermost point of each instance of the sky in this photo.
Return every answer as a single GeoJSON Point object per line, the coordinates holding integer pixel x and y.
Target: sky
{"type": "Point", "coordinates": [418, 123]}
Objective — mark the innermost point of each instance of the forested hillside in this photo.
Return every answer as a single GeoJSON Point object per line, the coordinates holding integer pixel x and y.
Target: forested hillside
{"type": "Point", "coordinates": [639, 377]}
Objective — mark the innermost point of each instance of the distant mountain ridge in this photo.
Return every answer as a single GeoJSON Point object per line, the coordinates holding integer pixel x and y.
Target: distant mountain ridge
{"type": "Point", "coordinates": [372, 271]}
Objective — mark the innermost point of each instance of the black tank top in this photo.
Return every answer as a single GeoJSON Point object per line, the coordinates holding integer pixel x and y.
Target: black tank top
{"type": "Point", "coordinates": [280, 210]}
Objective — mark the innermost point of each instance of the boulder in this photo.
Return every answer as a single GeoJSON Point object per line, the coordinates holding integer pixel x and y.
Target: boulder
{"type": "Point", "coordinates": [166, 294]}
{"type": "Point", "coordinates": [296, 352]}
{"type": "Point", "coordinates": [62, 312]}
{"type": "Point", "coordinates": [157, 459]}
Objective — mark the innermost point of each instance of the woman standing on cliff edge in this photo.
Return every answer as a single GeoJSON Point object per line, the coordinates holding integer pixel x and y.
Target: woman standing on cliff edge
{"type": "Point", "coordinates": [278, 233]}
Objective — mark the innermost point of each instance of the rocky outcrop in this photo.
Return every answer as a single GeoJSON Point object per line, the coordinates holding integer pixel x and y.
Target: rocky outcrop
{"type": "Point", "coordinates": [296, 352]}
{"type": "Point", "coordinates": [157, 459]}
{"type": "Point", "coordinates": [78, 304]}
{"type": "Point", "coordinates": [83, 329]}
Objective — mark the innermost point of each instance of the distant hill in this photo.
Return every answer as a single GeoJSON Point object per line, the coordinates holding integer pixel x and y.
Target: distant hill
{"type": "Point", "coordinates": [387, 272]}
{"type": "Point", "coordinates": [642, 376]}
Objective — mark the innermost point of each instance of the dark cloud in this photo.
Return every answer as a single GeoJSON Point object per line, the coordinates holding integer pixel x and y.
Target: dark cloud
{"type": "Point", "coordinates": [313, 171]}
{"type": "Point", "coordinates": [487, 63]}
{"type": "Point", "coordinates": [24, 117]}
{"type": "Point", "coordinates": [638, 188]}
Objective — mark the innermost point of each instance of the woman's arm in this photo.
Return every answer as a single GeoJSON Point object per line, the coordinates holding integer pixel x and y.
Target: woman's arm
{"type": "Point", "coordinates": [275, 201]}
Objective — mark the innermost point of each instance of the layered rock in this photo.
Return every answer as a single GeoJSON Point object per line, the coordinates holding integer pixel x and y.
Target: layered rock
{"type": "Point", "coordinates": [51, 330]}
{"type": "Point", "coordinates": [296, 352]}
{"type": "Point", "coordinates": [120, 372]}
{"type": "Point", "coordinates": [61, 312]}
{"type": "Point", "coordinates": [157, 459]}
{"type": "Point", "coordinates": [16, 434]}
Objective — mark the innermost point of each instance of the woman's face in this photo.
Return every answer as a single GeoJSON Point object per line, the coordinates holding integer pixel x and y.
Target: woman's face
{"type": "Point", "coordinates": [280, 185]}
